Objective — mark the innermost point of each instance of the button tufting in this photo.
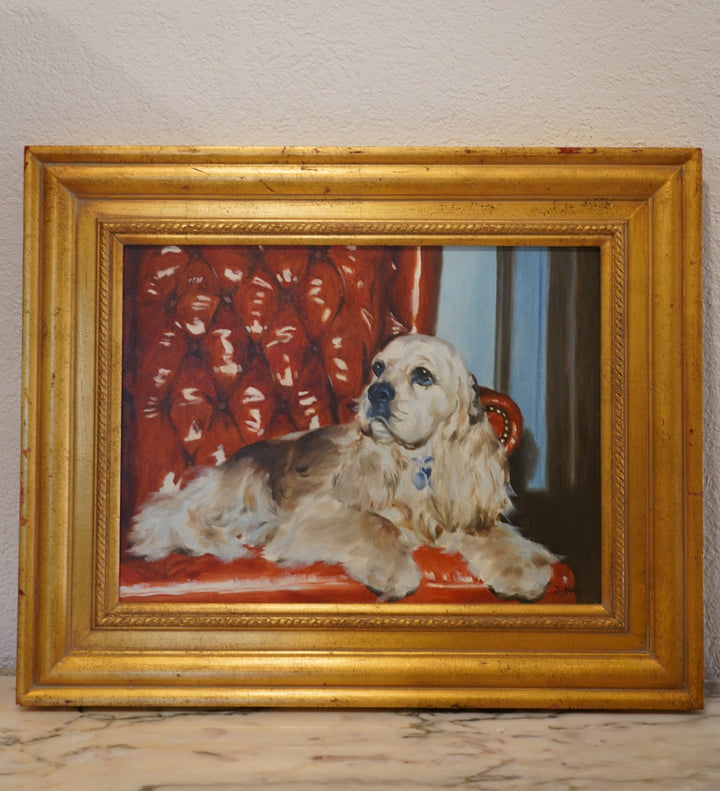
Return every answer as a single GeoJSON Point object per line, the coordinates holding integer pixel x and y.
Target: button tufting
{"type": "Point", "coordinates": [227, 345]}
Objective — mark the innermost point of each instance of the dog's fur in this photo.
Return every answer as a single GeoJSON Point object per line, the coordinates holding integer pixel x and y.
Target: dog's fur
{"type": "Point", "coordinates": [420, 465]}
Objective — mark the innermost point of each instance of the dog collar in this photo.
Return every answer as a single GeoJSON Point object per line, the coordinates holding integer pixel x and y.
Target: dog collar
{"type": "Point", "coordinates": [421, 477]}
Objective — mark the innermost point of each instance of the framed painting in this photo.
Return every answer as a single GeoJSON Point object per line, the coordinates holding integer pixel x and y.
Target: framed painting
{"type": "Point", "coordinates": [384, 427]}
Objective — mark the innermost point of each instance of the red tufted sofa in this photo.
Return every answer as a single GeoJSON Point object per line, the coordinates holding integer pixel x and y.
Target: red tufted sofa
{"type": "Point", "coordinates": [229, 345]}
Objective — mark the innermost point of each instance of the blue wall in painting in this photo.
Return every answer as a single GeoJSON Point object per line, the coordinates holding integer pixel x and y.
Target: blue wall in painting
{"type": "Point", "coordinates": [467, 318]}
{"type": "Point", "coordinates": [528, 349]}
{"type": "Point", "coordinates": [468, 304]}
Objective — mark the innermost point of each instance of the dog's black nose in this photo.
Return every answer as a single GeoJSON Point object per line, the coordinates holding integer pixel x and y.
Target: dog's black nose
{"type": "Point", "coordinates": [380, 395]}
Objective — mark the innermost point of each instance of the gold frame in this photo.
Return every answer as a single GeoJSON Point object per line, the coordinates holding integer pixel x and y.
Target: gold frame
{"type": "Point", "coordinates": [641, 647]}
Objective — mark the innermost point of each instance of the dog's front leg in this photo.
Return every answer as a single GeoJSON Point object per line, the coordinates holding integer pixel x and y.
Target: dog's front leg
{"type": "Point", "coordinates": [370, 548]}
{"type": "Point", "coordinates": [380, 557]}
{"type": "Point", "coordinates": [509, 564]}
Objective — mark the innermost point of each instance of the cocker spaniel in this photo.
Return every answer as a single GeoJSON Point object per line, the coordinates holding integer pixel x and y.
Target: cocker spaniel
{"type": "Point", "coordinates": [419, 465]}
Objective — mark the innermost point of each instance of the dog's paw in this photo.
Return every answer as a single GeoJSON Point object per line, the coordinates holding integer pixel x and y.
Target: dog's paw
{"type": "Point", "coordinates": [403, 581]}
{"type": "Point", "coordinates": [230, 548]}
{"type": "Point", "coordinates": [521, 577]}
{"type": "Point", "coordinates": [512, 566]}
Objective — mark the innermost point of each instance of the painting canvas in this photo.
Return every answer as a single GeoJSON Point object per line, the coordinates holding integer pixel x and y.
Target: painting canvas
{"type": "Point", "coordinates": [229, 347]}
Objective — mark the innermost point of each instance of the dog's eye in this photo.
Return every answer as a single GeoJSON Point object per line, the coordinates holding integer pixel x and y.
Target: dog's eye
{"type": "Point", "coordinates": [378, 367]}
{"type": "Point", "coordinates": [421, 376]}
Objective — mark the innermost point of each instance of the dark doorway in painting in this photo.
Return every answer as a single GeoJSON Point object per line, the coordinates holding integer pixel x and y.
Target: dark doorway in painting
{"type": "Point", "coordinates": [558, 483]}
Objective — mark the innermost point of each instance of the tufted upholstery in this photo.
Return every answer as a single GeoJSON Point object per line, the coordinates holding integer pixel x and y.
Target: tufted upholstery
{"type": "Point", "coordinates": [228, 345]}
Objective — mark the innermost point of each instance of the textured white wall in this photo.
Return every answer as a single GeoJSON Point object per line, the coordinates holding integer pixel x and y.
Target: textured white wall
{"type": "Point", "coordinates": [366, 72]}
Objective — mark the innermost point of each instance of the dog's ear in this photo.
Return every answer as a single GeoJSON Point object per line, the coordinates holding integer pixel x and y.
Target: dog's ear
{"type": "Point", "coordinates": [468, 412]}
{"type": "Point", "coordinates": [475, 408]}
{"type": "Point", "coordinates": [470, 469]}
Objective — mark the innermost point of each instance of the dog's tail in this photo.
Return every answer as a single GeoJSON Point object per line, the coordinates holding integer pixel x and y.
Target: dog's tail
{"type": "Point", "coordinates": [161, 526]}
{"type": "Point", "coordinates": [220, 512]}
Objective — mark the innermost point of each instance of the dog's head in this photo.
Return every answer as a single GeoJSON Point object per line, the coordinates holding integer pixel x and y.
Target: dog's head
{"type": "Point", "coordinates": [420, 385]}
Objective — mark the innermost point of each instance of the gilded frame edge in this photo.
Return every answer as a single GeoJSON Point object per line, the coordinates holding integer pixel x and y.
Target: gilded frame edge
{"type": "Point", "coordinates": [85, 201]}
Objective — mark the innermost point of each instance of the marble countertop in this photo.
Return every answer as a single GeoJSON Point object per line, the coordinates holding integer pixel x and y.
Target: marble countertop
{"type": "Point", "coordinates": [166, 750]}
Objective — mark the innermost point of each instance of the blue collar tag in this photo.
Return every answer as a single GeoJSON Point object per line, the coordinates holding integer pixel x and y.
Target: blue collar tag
{"type": "Point", "coordinates": [421, 478]}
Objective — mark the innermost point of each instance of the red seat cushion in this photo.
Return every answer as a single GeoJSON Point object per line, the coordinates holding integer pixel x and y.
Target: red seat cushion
{"type": "Point", "coordinates": [177, 578]}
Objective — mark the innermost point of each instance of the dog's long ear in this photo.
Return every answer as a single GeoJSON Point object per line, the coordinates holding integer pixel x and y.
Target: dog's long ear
{"type": "Point", "coordinates": [469, 409]}
{"type": "Point", "coordinates": [470, 473]}
{"type": "Point", "coordinates": [475, 409]}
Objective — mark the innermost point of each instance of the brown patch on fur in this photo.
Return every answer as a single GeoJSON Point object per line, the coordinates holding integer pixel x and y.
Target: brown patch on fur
{"type": "Point", "coordinates": [295, 466]}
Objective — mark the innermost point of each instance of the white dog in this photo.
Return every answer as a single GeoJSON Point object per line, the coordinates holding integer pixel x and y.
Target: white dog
{"type": "Point", "coordinates": [420, 465]}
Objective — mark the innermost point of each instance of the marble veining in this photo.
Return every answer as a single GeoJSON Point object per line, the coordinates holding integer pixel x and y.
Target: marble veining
{"type": "Point", "coordinates": [167, 750]}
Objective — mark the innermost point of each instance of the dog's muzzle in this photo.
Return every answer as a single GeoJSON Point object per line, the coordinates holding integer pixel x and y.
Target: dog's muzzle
{"type": "Point", "coordinates": [380, 396]}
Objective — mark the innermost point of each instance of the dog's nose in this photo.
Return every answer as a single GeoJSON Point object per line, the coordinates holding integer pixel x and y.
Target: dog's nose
{"type": "Point", "coordinates": [380, 395]}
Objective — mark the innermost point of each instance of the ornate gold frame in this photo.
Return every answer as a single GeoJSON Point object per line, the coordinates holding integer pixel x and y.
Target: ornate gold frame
{"type": "Point", "coordinates": [640, 648]}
